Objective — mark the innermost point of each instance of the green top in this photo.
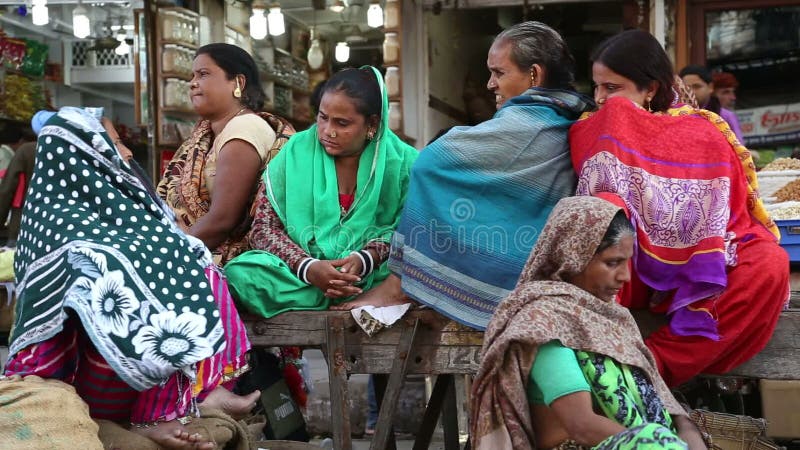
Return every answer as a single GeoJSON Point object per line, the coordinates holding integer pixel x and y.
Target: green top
{"type": "Point", "coordinates": [555, 373]}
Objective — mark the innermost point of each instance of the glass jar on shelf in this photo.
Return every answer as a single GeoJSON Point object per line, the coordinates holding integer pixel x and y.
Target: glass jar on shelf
{"type": "Point", "coordinates": [391, 49]}
{"type": "Point", "coordinates": [392, 80]}
{"type": "Point", "coordinates": [391, 14]}
{"type": "Point", "coordinates": [168, 20]}
{"type": "Point", "coordinates": [171, 58]}
{"type": "Point", "coordinates": [395, 116]}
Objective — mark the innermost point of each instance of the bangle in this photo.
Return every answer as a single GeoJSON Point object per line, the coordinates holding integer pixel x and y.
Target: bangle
{"type": "Point", "coordinates": [370, 263]}
{"type": "Point", "coordinates": [302, 269]}
{"type": "Point", "coordinates": [363, 263]}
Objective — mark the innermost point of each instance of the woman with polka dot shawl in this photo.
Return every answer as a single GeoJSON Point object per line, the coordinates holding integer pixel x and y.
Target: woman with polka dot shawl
{"type": "Point", "coordinates": [112, 297]}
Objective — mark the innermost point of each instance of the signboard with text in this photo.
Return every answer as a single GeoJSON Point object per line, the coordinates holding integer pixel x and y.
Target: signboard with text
{"type": "Point", "coordinates": [775, 124]}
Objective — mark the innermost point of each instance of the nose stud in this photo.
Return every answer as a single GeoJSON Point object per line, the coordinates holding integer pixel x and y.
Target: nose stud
{"type": "Point", "coordinates": [332, 134]}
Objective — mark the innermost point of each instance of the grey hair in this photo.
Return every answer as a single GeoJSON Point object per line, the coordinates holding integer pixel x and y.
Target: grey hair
{"type": "Point", "coordinates": [536, 43]}
{"type": "Point", "coordinates": [619, 228]}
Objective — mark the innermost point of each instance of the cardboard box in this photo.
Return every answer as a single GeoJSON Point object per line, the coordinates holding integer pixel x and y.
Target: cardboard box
{"type": "Point", "coordinates": [780, 401]}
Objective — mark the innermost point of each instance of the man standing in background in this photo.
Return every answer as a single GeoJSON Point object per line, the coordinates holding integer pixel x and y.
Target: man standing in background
{"type": "Point", "coordinates": [725, 85]}
{"type": "Point", "coordinates": [699, 79]}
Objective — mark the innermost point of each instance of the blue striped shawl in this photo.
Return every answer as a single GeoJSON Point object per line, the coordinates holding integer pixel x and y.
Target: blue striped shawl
{"type": "Point", "coordinates": [477, 199]}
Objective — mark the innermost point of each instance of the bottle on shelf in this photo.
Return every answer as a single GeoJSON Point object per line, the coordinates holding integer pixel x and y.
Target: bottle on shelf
{"type": "Point", "coordinates": [392, 80]}
{"type": "Point", "coordinates": [391, 49]}
{"type": "Point", "coordinates": [395, 116]}
{"type": "Point", "coordinates": [391, 14]}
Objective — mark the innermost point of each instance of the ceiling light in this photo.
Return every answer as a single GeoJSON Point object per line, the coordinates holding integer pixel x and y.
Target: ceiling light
{"type": "Point", "coordinates": [275, 18]}
{"type": "Point", "coordinates": [258, 22]}
{"type": "Point", "coordinates": [315, 57]}
{"type": "Point", "coordinates": [342, 52]}
{"type": "Point", "coordinates": [337, 6]}
{"type": "Point", "coordinates": [39, 14]}
{"type": "Point", "coordinates": [375, 14]}
{"type": "Point", "coordinates": [81, 26]}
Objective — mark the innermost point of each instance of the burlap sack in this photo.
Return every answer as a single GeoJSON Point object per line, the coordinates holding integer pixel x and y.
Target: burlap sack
{"type": "Point", "coordinates": [214, 426]}
{"type": "Point", "coordinates": [38, 414]}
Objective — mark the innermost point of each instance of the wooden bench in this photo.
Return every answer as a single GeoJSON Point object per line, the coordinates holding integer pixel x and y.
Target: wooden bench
{"type": "Point", "coordinates": [424, 342]}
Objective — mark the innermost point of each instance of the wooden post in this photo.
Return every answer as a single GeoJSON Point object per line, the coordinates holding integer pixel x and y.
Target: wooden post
{"type": "Point", "coordinates": [337, 374]}
{"type": "Point", "coordinates": [681, 35]}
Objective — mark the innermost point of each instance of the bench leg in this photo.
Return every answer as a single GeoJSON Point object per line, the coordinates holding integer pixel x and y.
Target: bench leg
{"type": "Point", "coordinates": [396, 379]}
{"type": "Point", "coordinates": [432, 412]}
{"type": "Point", "coordinates": [380, 389]}
{"type": "Point", "coordinates": [337, 375]}
{"type": "Point", "coordinates": [450, 417]}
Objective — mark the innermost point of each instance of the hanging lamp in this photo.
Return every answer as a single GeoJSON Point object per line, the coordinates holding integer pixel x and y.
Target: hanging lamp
{"type": "Point", "coordinates": [277, 25]}
{"type": "Point", "coordinates": [81, 25]}
{"type": "Point", "coordinates": [375, 14]}
{"type": "Point", "coordinates": [258, 22]}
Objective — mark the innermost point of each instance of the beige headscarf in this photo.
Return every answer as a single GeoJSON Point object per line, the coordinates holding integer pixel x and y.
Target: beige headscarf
{"type": "Point", "coordinates": [543, 307]}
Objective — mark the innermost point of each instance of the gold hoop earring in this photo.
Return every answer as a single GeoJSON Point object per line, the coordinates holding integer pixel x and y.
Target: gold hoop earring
{"type": "Point", "coordinates": [237, 93]}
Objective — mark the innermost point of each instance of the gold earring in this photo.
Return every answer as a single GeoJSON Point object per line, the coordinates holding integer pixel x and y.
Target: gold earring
{"type": "Point", "coordinates": [237, 93]}
{"type": "Point", "coordinates": [648, 105]}
{"type": "Point", "coordinates": [371, 134]}
{"type": "Point", "coordinates": [533, 78]}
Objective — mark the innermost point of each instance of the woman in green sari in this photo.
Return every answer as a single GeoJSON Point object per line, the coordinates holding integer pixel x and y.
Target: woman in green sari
{"type": "Point", "coordinates": [330, 203]}
{"type": "Point", "coordinates": [564, 365]}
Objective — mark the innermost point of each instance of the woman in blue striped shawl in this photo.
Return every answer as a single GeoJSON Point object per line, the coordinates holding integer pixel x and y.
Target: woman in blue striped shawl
{"type": "Point", "coordinates": [478, 196]}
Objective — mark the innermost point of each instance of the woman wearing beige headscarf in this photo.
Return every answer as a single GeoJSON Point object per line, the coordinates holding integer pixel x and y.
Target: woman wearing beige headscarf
{"type": "Point", "coordinates": [563, 365]}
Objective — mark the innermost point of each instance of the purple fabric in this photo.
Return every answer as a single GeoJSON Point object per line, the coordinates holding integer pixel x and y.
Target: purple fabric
{"type": "Point", "coordinates": [733, 121]}
{"type": "Point", "coordinates": [685, 322]}
{"type": "Point", "coordinates": [703, 276]}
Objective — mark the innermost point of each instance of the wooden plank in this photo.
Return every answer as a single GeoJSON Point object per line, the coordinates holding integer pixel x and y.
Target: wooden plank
{"type": "Point", "coordinates": [337, 375]}
{"type": "Point", "coordinates": [425, 359]}
{"type": "Point", "coordinates": [779, 360]}
{"type": "Point", "coordinates": [289, 329]}
{"type": "Point", "coordinates": [395, 384]}
{"type": "Point", "coordinates": [445, 347]}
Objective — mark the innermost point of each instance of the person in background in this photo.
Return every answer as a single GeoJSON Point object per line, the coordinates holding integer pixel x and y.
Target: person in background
{"type": "Point", "coordinates": [699, 79]}
{"type": "Point", "coordinates": [707, 252]}
{"type": "Point", "coordinates": [330, 203]}
{"type": "Point", "coordinates": [211, 181]}
{"type": "Point", "coordinates": [479, 195]}
{"type": "Point", "coordinates": [113, 297]}
{"type": "Point", "coordinates": [18, 171]}
{"type": "Point", "coordinates": [564, 366]}
{"type": "Point", "coordinates": [725, 85]}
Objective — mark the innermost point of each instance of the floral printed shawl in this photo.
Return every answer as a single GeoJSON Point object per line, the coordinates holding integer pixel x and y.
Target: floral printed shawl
{"type": "Point", "coordinates": [544, 307]}
{"type": "Point", "coordinates": [183, 186]}
{"type": "Point", "coordinates": [95, 242]}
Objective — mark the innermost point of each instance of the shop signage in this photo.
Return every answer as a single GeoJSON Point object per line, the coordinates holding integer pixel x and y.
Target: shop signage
{"type": "Point", "coordinates": [774, 124]}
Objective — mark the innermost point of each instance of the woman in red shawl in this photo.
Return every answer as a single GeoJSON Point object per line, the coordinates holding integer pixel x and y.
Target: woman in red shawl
{"type": "Point", "coordinates": [706, 251]}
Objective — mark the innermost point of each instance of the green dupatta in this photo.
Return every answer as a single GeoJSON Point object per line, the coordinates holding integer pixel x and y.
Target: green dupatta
{"type": "Point", "coordinates": [302, 187]}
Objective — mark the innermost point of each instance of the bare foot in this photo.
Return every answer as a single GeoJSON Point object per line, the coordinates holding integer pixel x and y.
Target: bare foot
{"type": "Point", "coordinates": [173, 436]}
{"type": "Point", "coordinates": [388, 293]}
{"type": "Point", "coordinates": [236, 406]}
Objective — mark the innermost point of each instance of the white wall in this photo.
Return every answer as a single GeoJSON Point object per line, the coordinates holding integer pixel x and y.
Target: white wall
{"type": "Point", "coordinates": [458, 46]}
